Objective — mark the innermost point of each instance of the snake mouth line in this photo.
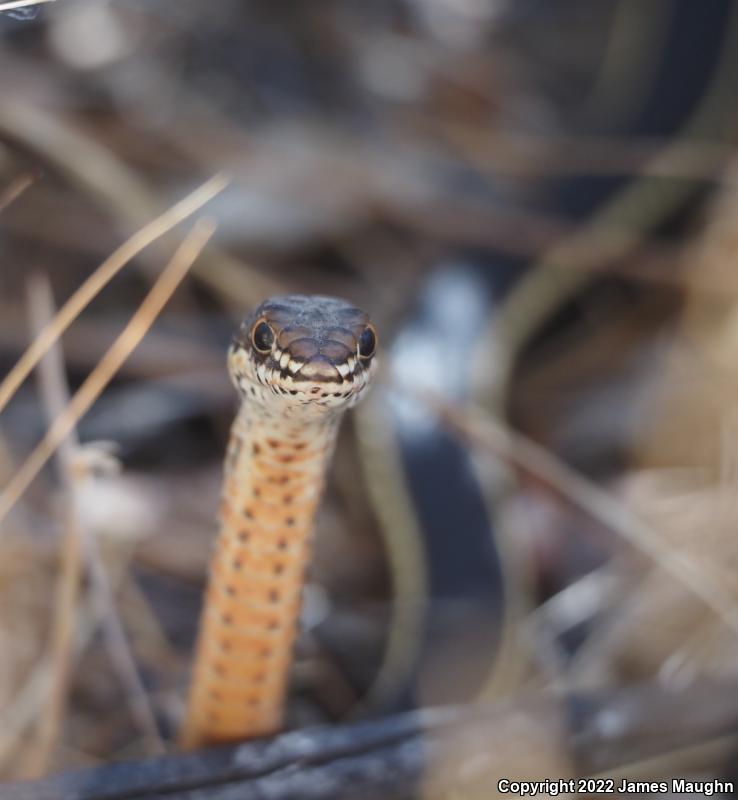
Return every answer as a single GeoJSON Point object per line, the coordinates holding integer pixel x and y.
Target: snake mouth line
{"type": "Point", "coordinates": [303, 387]}
{"type": "Point", "coordinates": [308, 375]}
{"type": "Point", "coordinates": [334, 386]}
{"type": "Point", "coordinates": [287, 370]}
{"type": "Point", "coordinates": [314, 370]}
{"type": "Point", "coordinates": [318, 368]}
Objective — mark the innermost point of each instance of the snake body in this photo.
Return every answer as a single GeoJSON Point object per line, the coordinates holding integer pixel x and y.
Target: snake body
{"type": "Point", "coordinates": [298, 363]}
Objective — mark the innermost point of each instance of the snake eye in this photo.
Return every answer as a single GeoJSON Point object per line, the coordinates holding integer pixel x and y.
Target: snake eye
{"type": "Point", "coordinates": [262, 337]}
{"type": "Point", "coordinates": [367, 343]}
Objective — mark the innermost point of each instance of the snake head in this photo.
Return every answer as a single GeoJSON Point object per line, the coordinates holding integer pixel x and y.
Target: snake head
{"type": "Point", "coordinates": [310, 350]}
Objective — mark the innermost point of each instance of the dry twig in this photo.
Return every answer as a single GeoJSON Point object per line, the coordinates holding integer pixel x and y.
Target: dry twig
{"type": "Point", "coordinates": [55, 396]}
{"type": "Point", "coordinates": [11, 4]}
{"type": "Point", "coordinates": [15, 189]}
{"type": "Point", "coordinates": [492, 435]}
{"type": "Point", "coordinates": [99, 378]}
{"type": "Point", "coordinates": [451, 751]}
{"type": "Point", "coordinates": [101, 276]}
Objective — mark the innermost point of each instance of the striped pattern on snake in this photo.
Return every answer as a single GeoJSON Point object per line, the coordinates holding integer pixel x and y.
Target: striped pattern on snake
{"type": "Point", "coordinates": [298, 364]}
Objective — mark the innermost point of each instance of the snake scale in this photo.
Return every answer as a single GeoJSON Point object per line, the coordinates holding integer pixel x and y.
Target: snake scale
{"type": "Point", "coordinates": [298, 363]}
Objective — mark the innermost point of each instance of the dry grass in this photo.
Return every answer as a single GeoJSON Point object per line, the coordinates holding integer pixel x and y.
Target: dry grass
{"type": "Point", "coordinates": [101, 277]}
{"type": "Point", "coordinates": [12, 4]}
{"type": "Point", "coordinates": [63, 418]}
{"type": "Point", "coordinates": [109, 364]}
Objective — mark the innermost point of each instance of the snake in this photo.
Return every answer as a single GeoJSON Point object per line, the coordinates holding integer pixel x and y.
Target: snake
{"type": "Point", "coordinates": [298, 363]}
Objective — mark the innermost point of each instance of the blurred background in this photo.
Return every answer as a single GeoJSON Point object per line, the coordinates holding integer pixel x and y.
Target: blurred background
{"type": "Point", "coordinates": [535, 201]}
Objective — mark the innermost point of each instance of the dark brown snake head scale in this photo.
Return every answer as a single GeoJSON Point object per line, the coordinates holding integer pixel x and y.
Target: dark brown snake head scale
{"type": "Point", "coordinates": [310, 350]}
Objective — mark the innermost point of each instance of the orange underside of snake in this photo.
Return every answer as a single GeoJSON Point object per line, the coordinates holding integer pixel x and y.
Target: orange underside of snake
{"type": "Point", "coordinates": [272, 487]}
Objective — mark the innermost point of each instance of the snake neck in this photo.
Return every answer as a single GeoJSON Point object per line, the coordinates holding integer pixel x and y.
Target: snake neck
{"type": "Point", "coordinates": [274, 476]}
{"type": "Point", "coordinates": [274, 473]}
